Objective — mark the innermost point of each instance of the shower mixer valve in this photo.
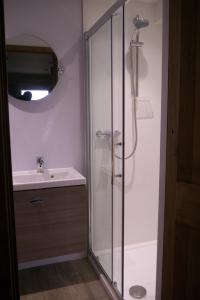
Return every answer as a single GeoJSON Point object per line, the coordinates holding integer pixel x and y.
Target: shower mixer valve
{"type": "Point", "coordinates": [118, 144]}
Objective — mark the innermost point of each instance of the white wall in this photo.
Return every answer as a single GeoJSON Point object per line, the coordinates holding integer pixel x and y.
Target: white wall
{"type": "Point", "coordinates": [52, 128]}
{"type": "Point", "coordinates": [93, 10]}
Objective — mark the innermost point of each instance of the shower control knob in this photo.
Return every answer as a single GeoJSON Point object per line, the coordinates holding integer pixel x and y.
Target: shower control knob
{"type": "Point", "coordinates": [118, 175]}
{"type": "Point", "coordinates": [119, 144]}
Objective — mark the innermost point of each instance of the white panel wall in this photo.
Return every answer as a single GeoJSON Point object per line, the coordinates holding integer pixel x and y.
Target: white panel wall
{"type": "Point", "coordinates": [54, 127]}
{"type": "Point", "coordinates": [142, 171]}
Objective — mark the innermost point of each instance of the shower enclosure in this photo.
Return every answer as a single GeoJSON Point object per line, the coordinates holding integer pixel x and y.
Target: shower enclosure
{"type": "Point", "coordinates": [118, 206]}
{"type": "Point", "coordinates": [105, 94]}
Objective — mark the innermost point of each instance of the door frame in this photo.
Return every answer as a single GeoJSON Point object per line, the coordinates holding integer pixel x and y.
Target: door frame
{"type": "Point", "coordinates": [163, 147]}
{"type": "Point", "coordinates": [8, 252]}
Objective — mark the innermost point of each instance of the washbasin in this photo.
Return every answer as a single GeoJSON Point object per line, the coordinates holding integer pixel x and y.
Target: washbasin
{"type": "Point", "coordinates": [27, 180]}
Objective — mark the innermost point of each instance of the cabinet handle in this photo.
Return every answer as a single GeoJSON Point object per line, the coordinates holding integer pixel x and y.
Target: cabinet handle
{"type": "Point", "coordinates": [36, 201]}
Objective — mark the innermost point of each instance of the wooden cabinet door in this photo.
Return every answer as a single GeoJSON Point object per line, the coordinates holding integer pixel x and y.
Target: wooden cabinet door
{"type": "Point", "coordinates": [181, 260]}
{"type": "Point", "coordinates": [50, 222]}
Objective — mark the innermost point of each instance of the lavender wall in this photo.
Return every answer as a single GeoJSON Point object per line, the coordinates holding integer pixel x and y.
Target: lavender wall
{"type": "Point", "coordinates": [52, 128]}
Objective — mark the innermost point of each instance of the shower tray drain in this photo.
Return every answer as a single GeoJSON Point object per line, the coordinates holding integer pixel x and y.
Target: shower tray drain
{"type": "Point", "coordinates": [137, 291]}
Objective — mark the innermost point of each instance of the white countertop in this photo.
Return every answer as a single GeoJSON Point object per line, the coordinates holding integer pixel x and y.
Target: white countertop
{"type": "Point", "coordinates": [29, 180]}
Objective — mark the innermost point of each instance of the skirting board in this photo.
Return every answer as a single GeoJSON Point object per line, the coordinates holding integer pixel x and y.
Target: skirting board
{"type": "Point", "coordinates": [52, 260]}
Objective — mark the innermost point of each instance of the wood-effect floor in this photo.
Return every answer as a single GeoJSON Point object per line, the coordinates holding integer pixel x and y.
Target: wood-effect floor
{"type": "Point", "coordinates": [73, 280]}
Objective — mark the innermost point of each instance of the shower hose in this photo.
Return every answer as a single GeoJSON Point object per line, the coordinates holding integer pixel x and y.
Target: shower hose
{"type": "Point", "coordinates": [134, 98]}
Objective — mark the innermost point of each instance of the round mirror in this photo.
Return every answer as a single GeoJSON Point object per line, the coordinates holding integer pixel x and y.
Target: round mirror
{"type": "Point", "coordinates": [32, 68]}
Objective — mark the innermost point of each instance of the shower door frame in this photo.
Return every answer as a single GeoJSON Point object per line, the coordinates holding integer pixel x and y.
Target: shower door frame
{"type": "Point", "coordinates": [87, 35]}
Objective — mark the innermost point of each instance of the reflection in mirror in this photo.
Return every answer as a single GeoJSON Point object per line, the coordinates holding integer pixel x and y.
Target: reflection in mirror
{"type": "Point", "coordinates": [32, 68]}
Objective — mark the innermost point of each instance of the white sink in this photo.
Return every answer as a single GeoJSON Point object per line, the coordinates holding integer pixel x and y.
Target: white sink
{"type": "Point", "coordinates": [31, 180]}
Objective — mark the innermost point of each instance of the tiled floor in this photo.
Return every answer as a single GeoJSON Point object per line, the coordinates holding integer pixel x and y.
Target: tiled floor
{"type": "Point", "coordinates": [73, 280]}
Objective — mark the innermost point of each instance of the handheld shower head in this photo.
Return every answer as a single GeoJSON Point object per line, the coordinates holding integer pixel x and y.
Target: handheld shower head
{"type": "Point", "coordinates": [140, 22]}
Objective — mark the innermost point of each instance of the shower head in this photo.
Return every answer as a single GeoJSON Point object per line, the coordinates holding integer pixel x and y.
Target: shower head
{"type": "Point", "coordinates": [140, 22]}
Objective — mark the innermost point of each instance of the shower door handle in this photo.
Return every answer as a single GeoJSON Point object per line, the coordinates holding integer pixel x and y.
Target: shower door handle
{"type": "Point", "coordinates": [107, 133]}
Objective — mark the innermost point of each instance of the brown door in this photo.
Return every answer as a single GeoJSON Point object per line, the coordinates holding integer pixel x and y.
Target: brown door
{"type": "Point", "coordinates": [8, 261]}
{"type": "Point", "coordinates": [181, 265]}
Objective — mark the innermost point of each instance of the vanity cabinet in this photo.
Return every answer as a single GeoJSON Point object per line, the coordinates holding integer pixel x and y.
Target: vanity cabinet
{"type": "Point", "coordinates": [50, 222]}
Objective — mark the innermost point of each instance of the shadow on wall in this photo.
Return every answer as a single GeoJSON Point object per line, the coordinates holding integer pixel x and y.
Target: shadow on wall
{"type": "Point", "coordinates": [143, 65]}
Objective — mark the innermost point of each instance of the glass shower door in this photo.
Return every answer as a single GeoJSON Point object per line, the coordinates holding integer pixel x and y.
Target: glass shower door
{"type": "Point", "coordinates": [118, 148]}
{"type": "Point", "coordinates": [101, 143]}
{"type": "Point", "coordinates": [106, 109]}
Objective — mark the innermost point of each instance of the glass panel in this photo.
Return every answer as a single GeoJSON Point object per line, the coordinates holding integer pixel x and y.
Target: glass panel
{"type": "Point", "coordinates": [106, 147]}
{"type": "Point", "coordinates": [101, 145]}
{"type": "Point", "coordinates": [117, 56]}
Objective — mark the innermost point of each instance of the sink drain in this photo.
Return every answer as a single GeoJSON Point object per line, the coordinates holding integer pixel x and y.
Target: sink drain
{"type": "Point", "coordinates": [137, 292]}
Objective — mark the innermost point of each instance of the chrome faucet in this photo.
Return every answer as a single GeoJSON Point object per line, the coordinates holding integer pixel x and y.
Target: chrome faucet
{"type": "Point", "coordinates": [40, 164]}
